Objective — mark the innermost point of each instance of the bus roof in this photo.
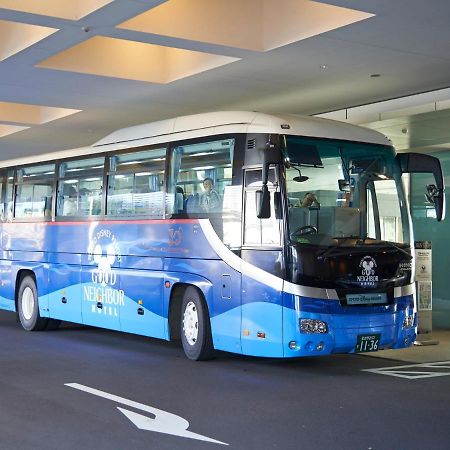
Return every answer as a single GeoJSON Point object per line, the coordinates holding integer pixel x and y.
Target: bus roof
{"type": "Point", "coordinates": [254, 122]}
{"type": "Point", "coordinates": [208, 124]}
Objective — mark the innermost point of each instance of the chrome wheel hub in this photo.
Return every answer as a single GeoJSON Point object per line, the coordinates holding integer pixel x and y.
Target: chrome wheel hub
{"type": "Point", "coordinates": [190, 323]}
{"type": "Point", "coordinates": [27, 303]}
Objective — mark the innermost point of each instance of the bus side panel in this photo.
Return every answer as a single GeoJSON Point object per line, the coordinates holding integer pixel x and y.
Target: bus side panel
{"type": "Point", "coordinates": [23, 245]}
{"type": "Point", "coordinates": [101, 302]}
{"type": "Point", "coordinates": [40, 270]}
{"type": "Point", "coordinates": [65, 291]}
{"type": "Point", "coordinates": [221, 286]}
{"type": "Point", "coordinates": [262, 330]}
{"type": "Point", "coordinates": [142, 311]}
{"type": "Point", "coordinates": [7, 285]}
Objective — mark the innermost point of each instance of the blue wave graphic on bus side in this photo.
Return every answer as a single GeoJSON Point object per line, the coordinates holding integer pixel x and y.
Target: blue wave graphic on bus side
{"type": "Point", "coordinates": [129, 269]}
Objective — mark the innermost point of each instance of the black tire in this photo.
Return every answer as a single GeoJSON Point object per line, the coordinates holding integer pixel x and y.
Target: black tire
{"type": "Point", "coordinates": [28, 306]}
{"type": "Point", "coordinates": [195, 326]}
{"type": "Point", "coordinates": [52, 324]}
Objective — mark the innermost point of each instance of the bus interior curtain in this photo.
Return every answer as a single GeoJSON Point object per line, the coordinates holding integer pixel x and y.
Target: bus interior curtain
{"type": "Point", "coordinates": [153, 183]}
{"type": "Point", "coordinates": [177, 155]}
{"type": "Point", "coordinates": [211, 173]}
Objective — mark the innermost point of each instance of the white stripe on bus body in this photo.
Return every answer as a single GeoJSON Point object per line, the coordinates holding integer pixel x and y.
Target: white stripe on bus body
{"type": "Point", "coordinates": [257, 274]}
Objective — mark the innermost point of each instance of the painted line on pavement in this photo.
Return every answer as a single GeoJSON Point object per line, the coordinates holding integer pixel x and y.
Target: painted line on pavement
{"type": "Point", "coordinates": [415, 371]}
{"type": "Point", "coordinates": [162, 422]}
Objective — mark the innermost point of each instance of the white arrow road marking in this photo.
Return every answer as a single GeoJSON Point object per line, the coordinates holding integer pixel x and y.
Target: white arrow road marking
{"type": "Point", "coordinates": [416, 372]}
{"type": "Point", "coordinates": [164, 422]}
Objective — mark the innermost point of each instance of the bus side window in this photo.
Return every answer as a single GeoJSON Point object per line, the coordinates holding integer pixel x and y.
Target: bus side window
{"type": "Point", "coordinates": [135, 183]}
{"type": "Point", "coordinates": [199, 175]}
{"type": "Point", "coordinates": [80, 187]}
{"type": "Point", "coordinates": [33, 191]}
{"type": "Point", "coordinates": [2, 200]}
{"type": "Point", "coordinates": [9, 204]}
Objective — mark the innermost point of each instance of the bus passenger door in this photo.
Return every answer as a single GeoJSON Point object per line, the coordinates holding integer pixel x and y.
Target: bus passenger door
{"type": "Point", "coordinates": [262, 310]}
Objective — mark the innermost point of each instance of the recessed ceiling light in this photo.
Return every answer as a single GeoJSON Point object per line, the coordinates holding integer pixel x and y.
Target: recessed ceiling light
{"type": "Point", "coordinates": [227, 23]}
{"type": "Point", "coordinates": [375, 75]}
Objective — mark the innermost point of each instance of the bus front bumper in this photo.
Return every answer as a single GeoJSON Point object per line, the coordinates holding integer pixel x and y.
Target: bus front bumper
{"type": "Point", "coordinates": [344, 332]}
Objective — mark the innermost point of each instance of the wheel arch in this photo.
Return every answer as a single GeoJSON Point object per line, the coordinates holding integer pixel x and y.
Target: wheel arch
{"type": "Point", "coordinates": [176, 297]}
{"type": "Point", "coordinates": [20, 275]}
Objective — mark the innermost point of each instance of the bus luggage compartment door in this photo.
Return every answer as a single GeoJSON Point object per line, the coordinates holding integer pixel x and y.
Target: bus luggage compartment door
{"type": "Point", "coordinates": [65, 296]}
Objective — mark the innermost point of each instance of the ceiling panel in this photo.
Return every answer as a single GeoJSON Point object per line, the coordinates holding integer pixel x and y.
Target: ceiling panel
{"type": "Point", "coordinates": [32, 114]}
{"type": "Point", "coordinates": [253, 24]}
{"type": "Point", "coordinates": [405, 41]}
{"type": "Point", "coordinates": [132, 60]}
{"type": "Point", "coordinates": [6, 129]}
{"type": "Point", "coordinates": [15, 37]}
{"type": "Point", "coordinates": [64, 9]}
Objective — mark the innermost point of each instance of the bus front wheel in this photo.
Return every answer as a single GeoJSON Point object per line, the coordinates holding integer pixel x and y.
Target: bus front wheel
{"type": "Point", "coordinates": [28, 306]}
{"type": "Point", "coordinates": [195, 327]}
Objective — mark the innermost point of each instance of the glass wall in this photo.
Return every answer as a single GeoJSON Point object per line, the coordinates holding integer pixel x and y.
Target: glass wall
{"type": "Point", "coordinates": [426, 228]}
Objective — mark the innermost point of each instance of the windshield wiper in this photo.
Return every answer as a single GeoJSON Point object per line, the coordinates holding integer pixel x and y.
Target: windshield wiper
{"type": "Point", "coordinates": [332, 249]}
{"type": "Point", "coordinates": [392, 245]}
{"type": "Point", "coordinates": [360, 241]}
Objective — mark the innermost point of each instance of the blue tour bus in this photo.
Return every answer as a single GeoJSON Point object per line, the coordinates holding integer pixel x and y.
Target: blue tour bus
{"type": "Point", "coordinates": [298, 243]}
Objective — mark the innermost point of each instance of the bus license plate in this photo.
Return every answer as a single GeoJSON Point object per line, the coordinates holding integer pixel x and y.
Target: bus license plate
{"type": "Point", "coordinates": [367, 343]}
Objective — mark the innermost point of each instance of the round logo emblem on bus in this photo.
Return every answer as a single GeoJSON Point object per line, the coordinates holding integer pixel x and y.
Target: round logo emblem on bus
{"type": "Point", "coordinates": [103, 251]}
{"type": "Point", "coordinates": [367, 277]}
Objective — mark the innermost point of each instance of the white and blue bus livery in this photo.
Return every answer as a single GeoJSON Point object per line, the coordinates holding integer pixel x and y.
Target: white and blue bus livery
{"type": "Point", "coordinates": [306, 249]}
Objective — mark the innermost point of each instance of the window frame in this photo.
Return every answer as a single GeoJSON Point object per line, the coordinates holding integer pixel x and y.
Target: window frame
{"type": "Point", "coordinates": [108, 173]}
{"type": "Point", "coordinates": [276, 188]}
{"type": "Point", "coordinates": [16, 184]}
{"type": "Point", "coordinates": [236, 166]}
{"type": "Point", "coordinates": [93, 172]}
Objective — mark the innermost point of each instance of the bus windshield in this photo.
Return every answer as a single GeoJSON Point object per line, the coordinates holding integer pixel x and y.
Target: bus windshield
{"type": "Point", "coordinates": [344, 191]}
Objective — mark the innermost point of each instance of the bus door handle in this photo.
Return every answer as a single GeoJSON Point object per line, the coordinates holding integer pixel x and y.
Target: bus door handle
{"type": "Point", "coordinates": [99, 305]}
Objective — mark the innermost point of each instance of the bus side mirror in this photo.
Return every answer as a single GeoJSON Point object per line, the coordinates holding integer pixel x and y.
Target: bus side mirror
{"type": "Point", "coordinates": [437, 199]}
{"type": "Point", "coordinates": [271, 155]}
{"type": "Point", "coordinates": [344, 185]}
{"type": "Point", "coordinates": [263, 203]}
{"type": "Point", "coordinates": [420, 163]}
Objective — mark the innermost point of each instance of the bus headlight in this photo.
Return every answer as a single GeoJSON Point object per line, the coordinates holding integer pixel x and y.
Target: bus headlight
{"type": "Point", "coordinates": [313, 326]}
{"type": "Point", "coordinates": [408, 322]}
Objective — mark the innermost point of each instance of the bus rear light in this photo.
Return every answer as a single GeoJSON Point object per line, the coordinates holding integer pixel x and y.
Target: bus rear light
{"type": "Point", "coordinates": [311, 326]}
{"type": "Point", "coordinates": [261, 334]}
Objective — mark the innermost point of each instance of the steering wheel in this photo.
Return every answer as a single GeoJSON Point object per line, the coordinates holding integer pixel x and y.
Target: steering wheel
{"type": "Point", "coordinates": [301, 231]}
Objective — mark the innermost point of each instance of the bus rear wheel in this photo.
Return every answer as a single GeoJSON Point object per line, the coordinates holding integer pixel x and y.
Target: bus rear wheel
{"type": "Point", "coordinates": [195, 327]}
{"type": "Point", "coordinates": [28, 306]}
